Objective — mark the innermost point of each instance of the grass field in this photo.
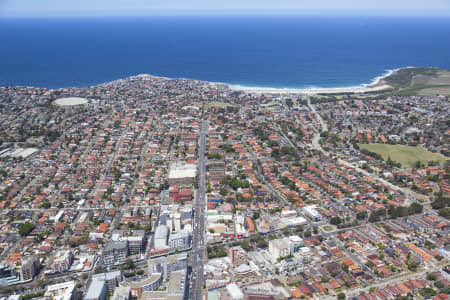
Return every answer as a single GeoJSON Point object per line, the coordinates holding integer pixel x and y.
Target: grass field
{"type": "Point", "coordinates": [218, 104]}
{"type": "Point", "coordinates": [405, 155]}
{"type": "Point", "coordinates": [437, 90]}
{"type": "Point", "coordinates": [328, 228]}
{"type": "Point", "coordinates": [420, 81]}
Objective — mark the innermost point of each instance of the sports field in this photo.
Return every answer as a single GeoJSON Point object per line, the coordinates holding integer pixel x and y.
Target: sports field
{"type": "Point", "coordinates": [218, 104]}
{"type": "Point", "coordinates": [405, 155]}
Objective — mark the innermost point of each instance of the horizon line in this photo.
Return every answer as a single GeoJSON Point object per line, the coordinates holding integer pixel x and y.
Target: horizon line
{"type": "Point", "coordinates": [230, 13]}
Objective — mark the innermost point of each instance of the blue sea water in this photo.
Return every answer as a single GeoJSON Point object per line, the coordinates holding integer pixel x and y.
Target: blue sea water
{"type": "Point", "coordinates": [281, 52]}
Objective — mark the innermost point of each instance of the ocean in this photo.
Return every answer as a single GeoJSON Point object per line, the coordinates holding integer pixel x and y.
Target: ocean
{"type": "Point", "coordinates": [263, 51]}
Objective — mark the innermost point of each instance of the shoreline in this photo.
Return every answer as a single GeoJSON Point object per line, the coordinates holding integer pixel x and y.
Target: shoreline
{"type": "Point", "coordinates": [314, 91]}
{"type": "Point", "coordinates": [378, 84]}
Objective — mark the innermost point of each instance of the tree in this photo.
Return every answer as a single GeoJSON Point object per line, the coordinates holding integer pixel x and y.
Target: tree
{"type": "Point", "coordinates": [345, 268]}
{"type": "Point", "coordinates": [429, 292]}
{"type": "Point", "coordinates": [445, 212]}
{"type": "Point", "coordinates": [412, 266]}
{"type": "Point", "coordinates": [25, 229]}
{"type": "Point", "coordinates": [214, 156]}
{"type": "Point", "coordinates": [335, 220]}
{"type": "Point", "coordinates": [45, 205]}
{"type": "Point", "coordinates": [439, 285]}
{"type": "Point", "coordinates": [223, 191]}
{"type": "Point", "coordinates": [431, 276]}
{"type": "Point", "coordinates": [245, 245]}
{"type": "Point", "coordinates": [130, 264]}
{"type": "Point", "coordinates": [376, 214]}
{"type": "Point", "coordinates": [440, 202]}
{"type": "Point", "coordinates": [341, 296]}
{"type": "Point", "coordinates": [361, 215]}
{"type": "Point", "coordinates": [415, 208]}
{"type": "Point", "coordinates": [261, 243]}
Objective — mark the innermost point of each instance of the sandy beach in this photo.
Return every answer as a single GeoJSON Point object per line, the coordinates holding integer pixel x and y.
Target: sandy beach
{"type": "Point", "coordinates": [377, 85]}
{"type": "Point", "coordinates": [314, 91]}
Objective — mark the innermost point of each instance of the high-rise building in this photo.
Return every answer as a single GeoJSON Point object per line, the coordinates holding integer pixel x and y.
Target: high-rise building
{"type": "Point", "coordinates": [237, 255]}
{"type": "Point", "coordinates": [30, 267]}
{"type": "Point", "coordinates": [115, 253]}
{"type": "Point", "coordinates": [180, 240]}
{"type": "Point", "coordinates": [279, 248]}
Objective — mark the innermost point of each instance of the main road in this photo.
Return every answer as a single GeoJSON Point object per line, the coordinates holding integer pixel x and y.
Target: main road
{"type": "Point", "coordinates": [198, 240]}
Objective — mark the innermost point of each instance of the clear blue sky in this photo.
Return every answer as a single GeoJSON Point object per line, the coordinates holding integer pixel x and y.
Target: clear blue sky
{"type": "Point", "coordinates": [23, 8]}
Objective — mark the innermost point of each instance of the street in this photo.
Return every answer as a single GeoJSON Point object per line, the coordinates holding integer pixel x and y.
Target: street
{"type": "Point", "coordinates": [198, 241]}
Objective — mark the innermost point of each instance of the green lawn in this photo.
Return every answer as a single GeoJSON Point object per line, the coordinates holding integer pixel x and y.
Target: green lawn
{"type": "Point", "coordinates": [406, 155]}
{"type": "Point", "coordinates": [218, 104]}
{"type": "Point", "coordinates": [328, 228]}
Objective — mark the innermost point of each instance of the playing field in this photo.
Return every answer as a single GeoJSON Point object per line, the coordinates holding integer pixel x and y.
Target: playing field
{"type": "Point", "coordinates": [71, 101]}
{"type": "Point", "coordinates": [218, 104]}
{"type": "Point", "coordinates": [406, 155]}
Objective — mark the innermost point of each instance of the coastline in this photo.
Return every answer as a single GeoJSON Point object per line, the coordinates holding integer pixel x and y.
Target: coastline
{"type": "Point", "coordinates": [314, 91]}
{"type": "Point", "coordinates": [377, 85]}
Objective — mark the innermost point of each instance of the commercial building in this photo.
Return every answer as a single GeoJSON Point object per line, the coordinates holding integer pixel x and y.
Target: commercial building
{"type": "Point", "coordinates": [111, 279]}
{"type": "Point", "coordinates": [62, 262]}
{"type": "Point", "coordinates": [115, 253]}
{"type": "Point", "coordinates": [311, 212]}
{"type": "Point", "coordinates": [185, 195]}
{"type": "Point", "coordinates": [288, 213]}
{"type": "Point", "coordinates": [279, 248]}
{"type": "Point", "coordinates": [177, 287]}
{"type": "Point", "coordinates": [160, 237]}
{"type": "Point", "coordinates": [96, 290]}
{"type": "Point", "coordinates": [306, 254]}
{"type": "Point", "coordinates": [60, 291]}
{"type": "Point", "coordinates": [180, 240]}
{"type": "Point", "coordinates": [244, 273]}
{"type": "Point", "coordinates": [149, 284]}
{"type": "Point", "coordinates": [122, 292]}
{"type": "Point", "coordinates": [8, 275]}
{"type": "Point", "coordinates": [30, 267]}
{"type": "Point", "coordinates": [294, 222]}
{"type": "Point", "coordinates": [296, 243]}
{"type": "Point", "coordinates": [234, 292]}
{"type": "Point", "coordinates": [135, 244]}
{"type": "Point", "coordinates": [176, 263]}
{"type": "Point", "coordinates": [237, 255]}
{"type": "Point", "coordinates": [182, 174]}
